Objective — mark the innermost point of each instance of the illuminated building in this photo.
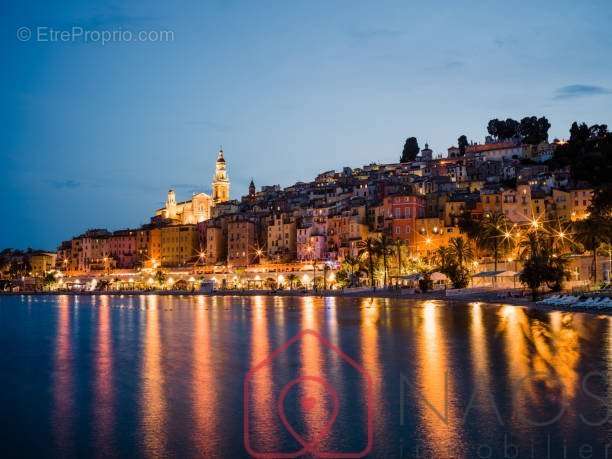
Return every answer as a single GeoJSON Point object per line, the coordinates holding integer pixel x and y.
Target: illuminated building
{"type": "Point", "coordinates": [199, 207]}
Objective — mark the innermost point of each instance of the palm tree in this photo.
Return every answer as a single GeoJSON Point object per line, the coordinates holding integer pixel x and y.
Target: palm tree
{"type": "Point", "coordinates": [325, 270]}
{"type": "Point", "coordinates": [352, 265]}
{"type": "Point", "coordinates": [291, 278]}
{"type": "Point", "coordinates": [160, 277]}
{"type": "Point", "coordinates": [384, 248]}
{"type": "Point", "coordinates": [442, 258]}
{"type": "Point", "coordinates": [461, 251]}
{"type": "Point", "coordinates": [368, 249]}
{"type": "Point", "coordinates": [493, 237]}
{"type": "Point", "coordinates": [471, 227]}
{"type": "Point", "coordinates": [592, 233]}
{"type": "Point", "coordinates": [398, 245]}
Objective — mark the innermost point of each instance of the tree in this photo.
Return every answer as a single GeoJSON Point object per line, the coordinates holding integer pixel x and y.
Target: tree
{"type": "Point", "coordinates": [384, 248]}
{"type": "Point", "coordinates": [367, 250]}
{"type": "Point", "coordinates": [160, 277]}
{"type": "Point", "coordinates": [448, 262]}
{"type": "Point", "coordinates": [351, 265]}
{"type": "Point", "coordinates": [469, 226]}
{"type": "Point", "coordinates": [503, 130]}
{"type": "Point", "coordinates": [493, 127]}
{"type": "Point", "coordinates": [49, 279]}
{"type": "Point", "coordinates": [509, 129]}
{"type": "Point", "coordinates": [592, 233]}
{"type": "Point", "coordinates": [534, 130]}
{"type": "Point", "coordinates": [588, 154]}
{"type": "Point", "coordinates": [325, 271]}
{"type": "Point", "coordinates": [557, 272]}
{"type": "Point", "coordinates": [541, 265]}
{"type": "Point", "coordinates": [462, 143]}
{"type": "Point", "coordinates": [493, 237]}
{"type": "Point", "coordinates": [533, 274]}
{"type": "Point", "coordinates": [461, 251]}
{"type": "Point", "coordinates": [443, 258]}
{"type": "Point", "coordinates": [291, 278]}
{"type": "Point", "coordinates": [411, 150]}
{"type": "Point", "coordinates": [398, 245]}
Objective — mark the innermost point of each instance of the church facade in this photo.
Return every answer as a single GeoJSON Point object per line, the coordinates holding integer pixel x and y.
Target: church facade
{"type": "Point", "coordinates": [199, 207]}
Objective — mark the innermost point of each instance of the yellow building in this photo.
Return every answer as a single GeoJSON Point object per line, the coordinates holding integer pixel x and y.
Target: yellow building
{"type": "Point", "coordinates": [179, 244]}
{"type": "Point", "coordinates": [41, 262]}
{"type": "Point", "coordinates": [431, 234]}
{"type": "Point", "coordinates": [199, 207]}
{"type": "Point", "coordinates": [517, 205]}
{"type": "Point", "coordinates": [572, 204]}
{"type": "Point", "coordinates": [282, 238]}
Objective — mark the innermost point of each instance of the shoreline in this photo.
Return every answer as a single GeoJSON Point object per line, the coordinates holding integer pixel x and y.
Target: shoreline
{"type": "Point", "coordinates": [524, 302]}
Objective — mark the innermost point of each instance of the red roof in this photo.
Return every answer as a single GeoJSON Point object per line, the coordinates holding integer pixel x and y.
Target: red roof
{"type": "Point", "coordinates": [489, 147]}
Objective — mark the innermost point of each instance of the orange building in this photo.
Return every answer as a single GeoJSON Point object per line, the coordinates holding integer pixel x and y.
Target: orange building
{"type": "Point", "coordinates": [241, 243]}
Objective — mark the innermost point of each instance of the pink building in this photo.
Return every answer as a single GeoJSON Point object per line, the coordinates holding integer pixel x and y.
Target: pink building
{"type": "Point", "coordinates": [123, 248]}
{"type": "Point", "coordinates": [311, 242]}
{"type": "Point", "coordinates": [400, 214]}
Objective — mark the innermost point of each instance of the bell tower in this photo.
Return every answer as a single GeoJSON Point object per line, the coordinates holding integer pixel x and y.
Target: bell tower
{"type": "Point", "coordinates": [220, 184]}
{"type": "Point", "coordinates": [171, 204]}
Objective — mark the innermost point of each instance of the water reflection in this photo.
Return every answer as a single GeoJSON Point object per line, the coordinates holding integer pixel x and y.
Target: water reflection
{"type": "Point", "coordinates": [542, 360]}
{"type": "Point", "coordinates": [205, 384]}
{"type": "Point", "coordinates": [153, 402]}
{"type": "Point", "coordinates": [314, 402]}
{"type": "Point", "coordinates": [103, 396]}
{"type": "Point", "coordinates": [484, 402]}
{"type": "Point", "coordinates": [184, 396]}
{"type": "Point", "coordinates": [439, 416]}
{"type": "Point", "coordinates": [63, 384]}
{"type": "Point", "coordinates": [263, 401]}
{"type": "Point", "coordinates": [370, 324]}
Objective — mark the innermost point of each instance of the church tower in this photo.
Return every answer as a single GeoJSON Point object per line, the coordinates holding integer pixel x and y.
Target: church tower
{"type": "Point", "coordinates": [252, 189]}
{"type": "Point", "coordinates": [171, 204]}
{"type": "Point", "coordinates": [220, 184]}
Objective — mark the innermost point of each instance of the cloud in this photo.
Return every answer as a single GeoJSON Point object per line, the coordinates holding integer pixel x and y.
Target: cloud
{"type": "Point", "coordinates": [374, 34]}
{"type": "Point", "coordinates": [580, 90]}
{"type": "Point", "coordinates": [65, 184]}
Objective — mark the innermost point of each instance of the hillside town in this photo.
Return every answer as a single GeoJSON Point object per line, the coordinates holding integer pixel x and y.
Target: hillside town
{"type": "Point", "coordinates": [379, 225]}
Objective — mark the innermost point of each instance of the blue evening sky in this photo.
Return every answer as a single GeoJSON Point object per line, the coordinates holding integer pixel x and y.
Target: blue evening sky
{"type": "Point", "coordinates": [93, 135]}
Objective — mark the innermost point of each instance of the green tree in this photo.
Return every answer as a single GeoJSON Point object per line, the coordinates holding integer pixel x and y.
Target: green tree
{"type": "Point", "coordinates": [160, 277]}
{"type": "Point", "coordinates": [541, 265]}
{"type": "Point", "coordinates": [534, 268]}
{"type": "Point", "coordinates": [462, 143]}
{"type": "Point", "coordinates": [351, 265]}
{"type": "Point", "coordinates": [493, 128]}
{"type": "Point", "coordinates": [493, 236]}
{"type": "Point", "coordinates": [384, 248]}
{"type": "Point", "coordinates": [291, 278]}
{"type": "Point", "coordinates": [534, 130]}
{"type": "Point", "coordinates": [592, 233]}
{"type": "Point", "coordinates": [449, 260]}
{"type": "Point", "coordinates": [510, 129]}
{"type": "Point", "coordinates": [411, 150]}
{"type": "Point", "coordinates": [368, 251]}
{"type": "Point", "coordinates": [398, 246]}
{"type": "Point", "coordinates": [461, 251]}
{"type": "Point", "coordinates": [49, 279]}
{"type": "Point", "coordinates": [588, 154]}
